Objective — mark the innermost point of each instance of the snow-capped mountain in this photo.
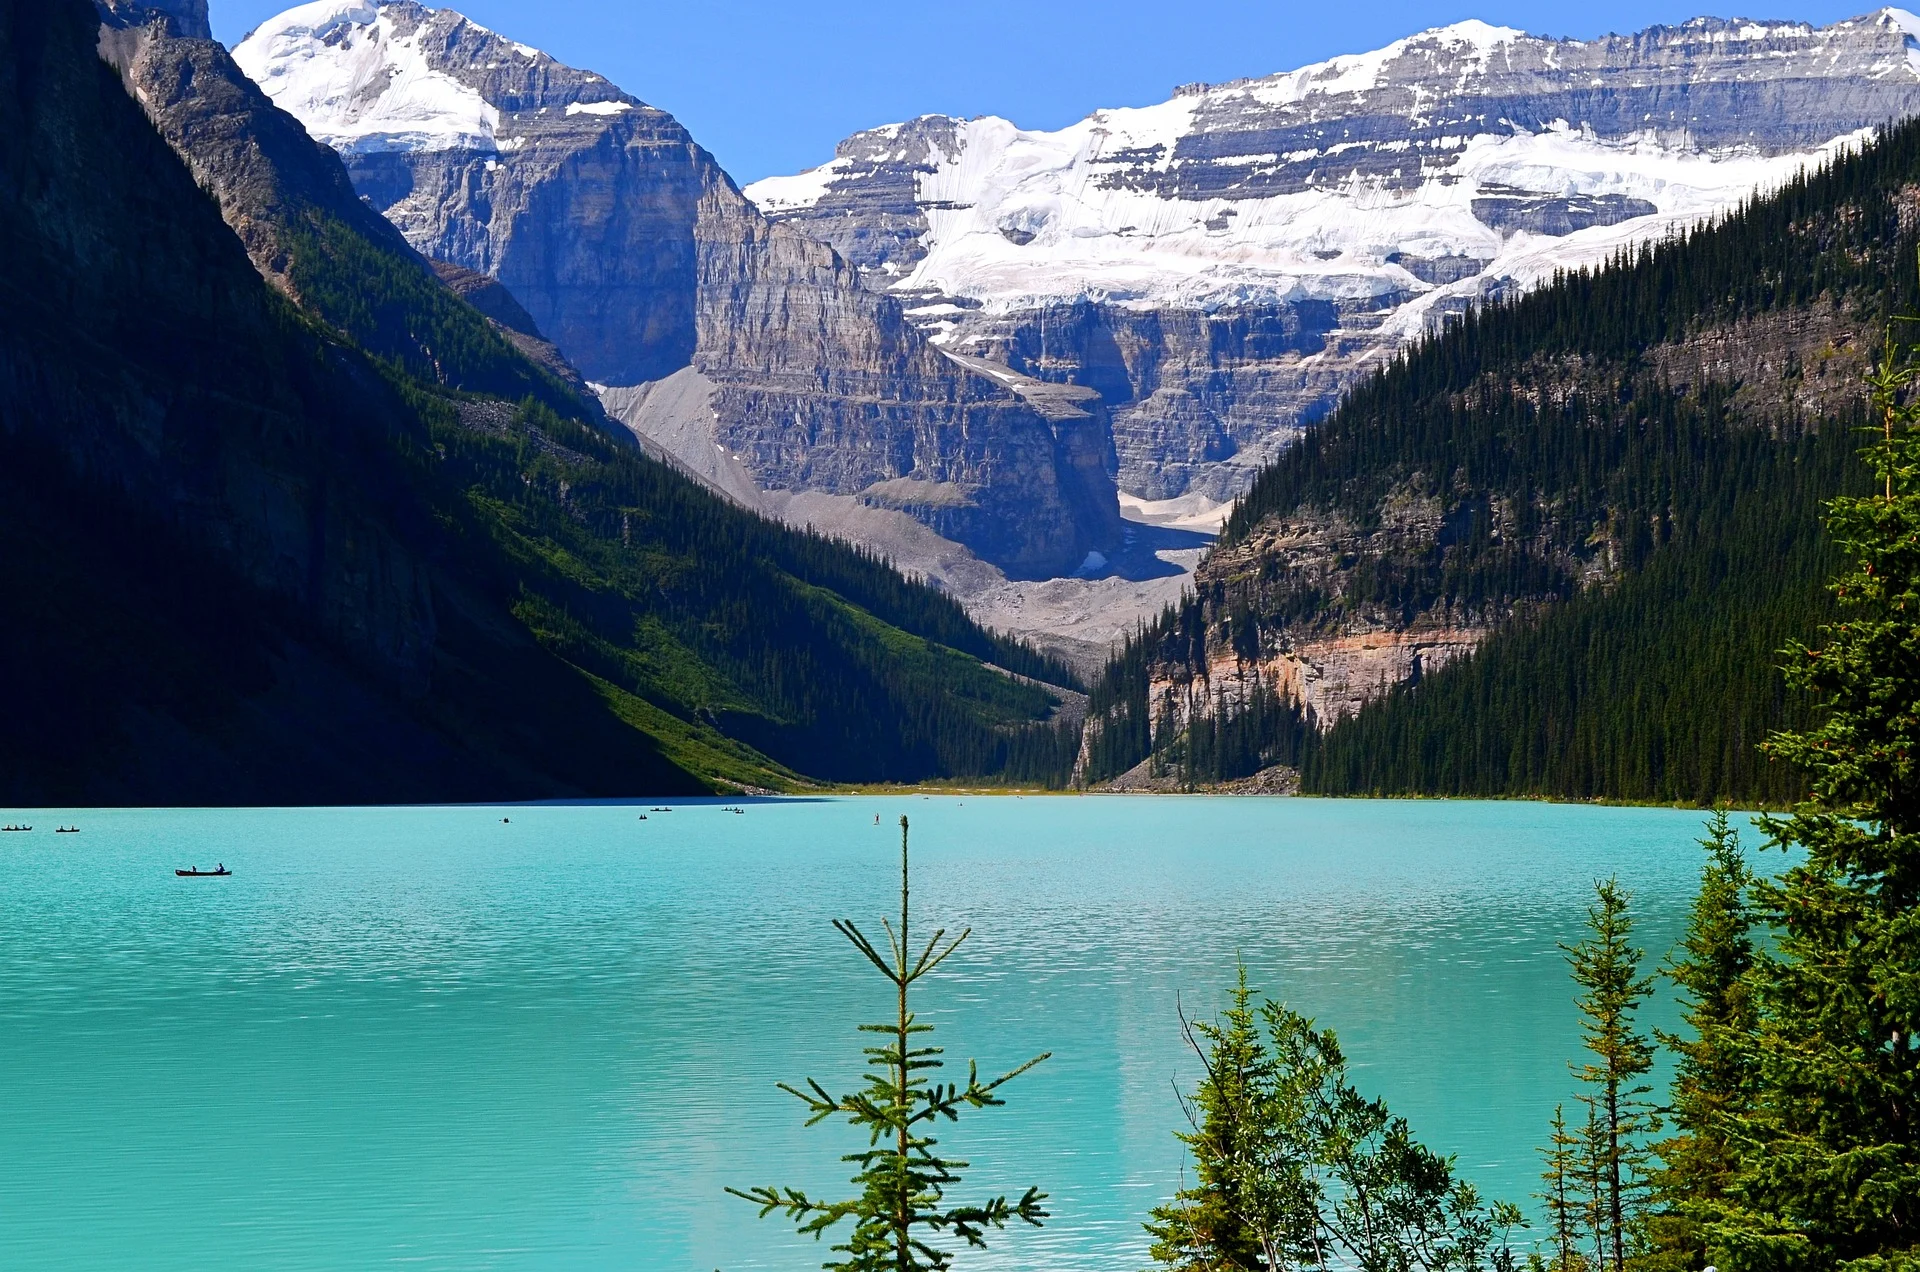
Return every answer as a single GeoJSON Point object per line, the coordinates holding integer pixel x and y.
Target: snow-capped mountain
{"type": "Point", "coordinates": [636, 255]}
{"type": "Point", "coordinates": [1222, 264]}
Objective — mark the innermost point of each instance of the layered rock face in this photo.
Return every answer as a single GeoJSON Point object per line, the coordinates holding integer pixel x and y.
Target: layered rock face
{"type": "Point", "coordinates": [636, 255]}
{"type": "Point", "coordinates": [1221, 265]}
{"type": "Point", "coordinates": [1198, 398]}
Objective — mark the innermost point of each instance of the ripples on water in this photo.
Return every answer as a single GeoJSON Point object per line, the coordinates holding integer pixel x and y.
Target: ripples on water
{"type": "Point", "coordinates": [422, 1037]}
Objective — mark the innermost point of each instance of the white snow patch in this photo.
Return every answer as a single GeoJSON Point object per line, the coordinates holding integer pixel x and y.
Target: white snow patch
{"type": "Point", "coordinates": [339, 67]}
{"type": "Point", "coordinates": [598, 108]}
{"type": "Point", "coordinates": [1191, 511]}
{"type": "Point", "coordinates": [1018, 218]}
{"type": "Point", "coordinates": [1903, 19]}
{"type": "Point", "coordinates": [802, 190]}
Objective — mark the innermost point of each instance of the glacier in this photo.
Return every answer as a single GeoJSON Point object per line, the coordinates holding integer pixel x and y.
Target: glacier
{"type": "Point", "coordinates": [1303, 227]}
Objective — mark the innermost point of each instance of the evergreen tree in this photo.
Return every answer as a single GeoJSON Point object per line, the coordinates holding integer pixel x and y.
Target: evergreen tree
{"type": "Point", "coordinates": [1712, 1085]}
{"type": "Point", "coordinates": [903, 1181]}
{"type": "Point", "coordinates": [1251, 1203]}
{"type": "Point", "coordinates": [1556, 415]}
{"type": "Point", "coordinates": [1606, 967]}
{"type": "Point", "coordinates": [1593, 1180]}
{"type": "Point", "coordinates": [1569, 1210]}
{"type": "Point", "coordinates": [1297, 1169]}
{"type": "Point", "coordinates": [1830, 1160]}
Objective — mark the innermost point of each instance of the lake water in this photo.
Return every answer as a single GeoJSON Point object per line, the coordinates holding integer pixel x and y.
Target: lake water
{"type": "Point", "coordinates": [419, 1037]}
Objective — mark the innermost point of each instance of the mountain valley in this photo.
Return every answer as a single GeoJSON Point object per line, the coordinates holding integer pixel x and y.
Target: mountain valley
{"type": "Point", "coordinates": [567, 463]}
{"type": "Point", "coordinates": [1012, 325]}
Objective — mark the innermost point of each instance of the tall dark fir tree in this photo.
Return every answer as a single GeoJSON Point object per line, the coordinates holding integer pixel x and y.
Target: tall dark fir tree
{"type": "Point", "coordinates": [1829, 1169]}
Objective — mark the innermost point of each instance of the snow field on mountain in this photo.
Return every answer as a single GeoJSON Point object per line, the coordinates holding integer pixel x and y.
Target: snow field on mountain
{"type": "Point", "coordinates": [1140, 249]}
{"type": "Point", "coordinates": [1020, 218]}
{"type": "Point", "coordinates": [340, 68]}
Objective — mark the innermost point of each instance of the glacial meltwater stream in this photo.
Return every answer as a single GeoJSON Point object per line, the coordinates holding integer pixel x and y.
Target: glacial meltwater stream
{"type": "Point", "coordinates": [425, 1037]}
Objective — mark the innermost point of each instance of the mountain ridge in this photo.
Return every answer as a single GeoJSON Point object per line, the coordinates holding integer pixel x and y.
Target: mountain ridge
{"type": "Point", "coordinates": [638, 257]}
{"type": "Point", "coordinates": [1599, 505]}
{"type": "Point", "coordinates": [1223, 264]}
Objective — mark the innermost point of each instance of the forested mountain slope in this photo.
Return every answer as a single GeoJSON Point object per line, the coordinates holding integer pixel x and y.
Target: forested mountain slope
{"type": "Point", "coordinates": [1553, 550]}
{"type": "Point", "coordinates": [360, 548]}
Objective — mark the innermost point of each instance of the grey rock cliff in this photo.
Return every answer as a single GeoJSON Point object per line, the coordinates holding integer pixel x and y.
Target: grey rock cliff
{"type": "Point", "coordinates": [183, 17]}
{"type": "Point", "coordinates": [255, 159]}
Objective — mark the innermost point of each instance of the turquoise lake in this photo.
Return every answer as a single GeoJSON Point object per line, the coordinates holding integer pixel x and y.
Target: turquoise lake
{"type": "Point", "coordinates": [421, 1038]}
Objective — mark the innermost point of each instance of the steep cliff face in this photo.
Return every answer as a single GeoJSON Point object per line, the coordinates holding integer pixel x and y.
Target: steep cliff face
{"type": "Point", "coordinates": [818, 387]}
{"type": "Point", "coordinates": [635, 254]}
{"type": "Point", "coordinates": [267, 174]}
{"type": "Point", "coordinates": [1198, 398]}
{"type": "Point", "coordinates": [1223, 264]}
{"type": "Point", "coordinates": [307, 231]}
{"type": "Point", "coordinates": [1337, 600]}
{"type": "Point", "coordinates": [186, 18]}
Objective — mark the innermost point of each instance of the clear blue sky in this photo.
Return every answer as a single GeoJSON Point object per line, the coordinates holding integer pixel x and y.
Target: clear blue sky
{"type": "Point", "coordinates": [770, 85]}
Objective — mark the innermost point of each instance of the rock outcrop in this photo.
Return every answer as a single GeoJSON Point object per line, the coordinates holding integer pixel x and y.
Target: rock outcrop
{"type": "Point", "coordinates": [1223, 264]}
{"type": "Point", "coordinates": [635, 254]}
{"type": "Point", "coordinates": [186, 18]}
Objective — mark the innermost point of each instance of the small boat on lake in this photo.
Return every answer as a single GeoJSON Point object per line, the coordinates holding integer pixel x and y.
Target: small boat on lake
{"type": "Point", "coordinates": [197, 873]}
{"type": "Point", "coordinates": [67, 830]}
{"type": "Point", "coordinates": [14, 829]}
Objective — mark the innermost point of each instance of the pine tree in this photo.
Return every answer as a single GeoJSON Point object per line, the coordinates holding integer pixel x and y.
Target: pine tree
{"type": "Point", "coordinates": [1831, 1160]}
{"type": "Point", "coordinates": [1713, 1079]}
{"type": "Point", "coordinates": [1606, 966]}
{"type": "Point", "coordinates": [903, 1181]}
{"type": "Point", "coordinates": [1250, 1205]}
{"type": "Point", "coordinates": [1593, 1180]}
{"type": "Point", "coordinates": [1568, 1211]}
{"type": "Point", "coordinates": [1298, 1170]}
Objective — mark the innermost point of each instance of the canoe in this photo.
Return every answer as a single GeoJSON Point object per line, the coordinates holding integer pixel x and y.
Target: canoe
{"type": "Point", "coordinates": [201, 874]}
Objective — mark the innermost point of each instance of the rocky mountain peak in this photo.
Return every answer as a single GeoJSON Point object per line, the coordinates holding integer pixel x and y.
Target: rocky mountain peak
{"type": "Point", "coordinates": [186, 18]}
{"type": "Point", "coordinates": [1221, 265]}
{"type": "Point", "coordinates": [366, 76]}
{"type": "Point", "coordinates": [634, 252]}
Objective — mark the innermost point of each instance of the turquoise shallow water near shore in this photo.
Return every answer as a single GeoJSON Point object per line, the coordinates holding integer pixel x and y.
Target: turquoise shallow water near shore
{"type": "Point", "coordinates": [421, 1037]}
